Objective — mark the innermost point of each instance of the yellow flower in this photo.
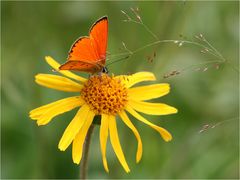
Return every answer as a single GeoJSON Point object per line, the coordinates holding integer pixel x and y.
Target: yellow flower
{"type": "Point", "coordinates": [107, 96]}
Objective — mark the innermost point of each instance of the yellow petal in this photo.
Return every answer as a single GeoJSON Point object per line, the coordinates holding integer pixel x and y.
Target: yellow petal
{"type": "Point", "coordinates": [152, 108]}
{"type": "Point", "coordinates": [58, 83]}
{"type": "Point", "coordinates": [78, 141]}
{"type": "Point", "coordinates": [57, 110]}
{"type": "Point", "coordinates": [103, 139]}
{"type": "Point", "coordinates": [148, 92]}
{"type": "Point", "coordinates": [127, 121]}
{"type": "Point", "coordinates": [40, 110]}
{"type": "Point", "coordinates": [45, 113]}
{"type": "Point", "coordinates": [55, 65]}
{"type": "Point", "coordinates": [73, 128]}
{"type": "Point", "coordinates": [163, 132]}
{"type": "Point", "coordinates": [136, 78]}
{"type": "Point", "coordinates": [116, 144]}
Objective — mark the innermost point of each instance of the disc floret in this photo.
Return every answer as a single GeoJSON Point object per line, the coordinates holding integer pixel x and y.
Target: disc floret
{"type": "Point", "coordinates": [105, 94]}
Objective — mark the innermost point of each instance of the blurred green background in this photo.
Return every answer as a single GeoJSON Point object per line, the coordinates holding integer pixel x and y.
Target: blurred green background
{"type": "Point", "coordinates": [32, 30]}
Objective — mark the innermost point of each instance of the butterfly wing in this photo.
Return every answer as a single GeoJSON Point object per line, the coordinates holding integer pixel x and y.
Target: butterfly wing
{"type": "Point", "coordinates": [83, 50]}
{"type": "Point", "coordinates": [89, 51]}
{"type": "Point", "coordinates": [81, 66]}
{"type": "Point", "coordinates": [99, 35]}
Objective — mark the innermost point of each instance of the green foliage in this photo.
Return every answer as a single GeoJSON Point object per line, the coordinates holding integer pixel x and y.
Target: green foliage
{"type": "Point", "coordinates": [32, 30]}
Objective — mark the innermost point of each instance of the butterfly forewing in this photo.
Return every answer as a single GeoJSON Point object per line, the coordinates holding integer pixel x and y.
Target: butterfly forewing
{"type": "Point", "coordinates": [82, 50]}
{"type": "Point", "coordinates": [99, 35]}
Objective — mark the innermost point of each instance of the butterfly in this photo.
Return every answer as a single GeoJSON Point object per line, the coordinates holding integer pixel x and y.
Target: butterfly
{"type": "Point", "coordinates": [88, 53]}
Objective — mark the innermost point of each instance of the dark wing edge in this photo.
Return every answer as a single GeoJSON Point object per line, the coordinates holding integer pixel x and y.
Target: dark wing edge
{"type": "Point", "coordinates": [99, 20]}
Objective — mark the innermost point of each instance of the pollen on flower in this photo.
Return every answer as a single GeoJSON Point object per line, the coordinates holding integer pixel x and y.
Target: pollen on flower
{"type": "Point", "coordinates": [105, 94]}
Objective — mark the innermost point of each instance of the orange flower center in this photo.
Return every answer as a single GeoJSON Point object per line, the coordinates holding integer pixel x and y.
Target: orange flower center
{"type": "Point", "coordinates": [105, 94]}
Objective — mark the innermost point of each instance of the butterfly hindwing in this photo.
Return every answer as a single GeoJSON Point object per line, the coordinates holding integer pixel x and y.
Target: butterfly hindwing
{"type": "Point", "coordinates": [80, 66]}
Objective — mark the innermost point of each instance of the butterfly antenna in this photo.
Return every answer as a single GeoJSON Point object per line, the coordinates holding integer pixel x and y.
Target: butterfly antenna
{"type": "Point", "coordinates": [118, 60]}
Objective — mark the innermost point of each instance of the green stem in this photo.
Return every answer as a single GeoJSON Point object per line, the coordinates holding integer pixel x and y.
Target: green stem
{"type": "Point", "coordinates": [84, 163]}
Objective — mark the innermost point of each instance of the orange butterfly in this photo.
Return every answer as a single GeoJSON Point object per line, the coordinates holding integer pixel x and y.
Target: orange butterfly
{"type": "Point", "coordinates": [88, 53]}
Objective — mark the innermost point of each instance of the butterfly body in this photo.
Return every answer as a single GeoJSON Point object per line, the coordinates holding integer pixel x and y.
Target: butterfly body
{"type": "Point", "coordinates": [88, 53]}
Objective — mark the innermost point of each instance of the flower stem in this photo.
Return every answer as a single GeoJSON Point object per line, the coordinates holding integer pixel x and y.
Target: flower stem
{"type": "Point", "coordinates": [84, 163]}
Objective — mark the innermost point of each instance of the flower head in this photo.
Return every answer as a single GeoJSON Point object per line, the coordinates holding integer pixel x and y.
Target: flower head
{"type": "Point", "coordinates": [105, 95]}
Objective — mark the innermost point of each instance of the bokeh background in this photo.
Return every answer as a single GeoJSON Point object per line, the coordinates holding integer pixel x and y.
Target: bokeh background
{"type": "Point", "coordinates": [32, 30]}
